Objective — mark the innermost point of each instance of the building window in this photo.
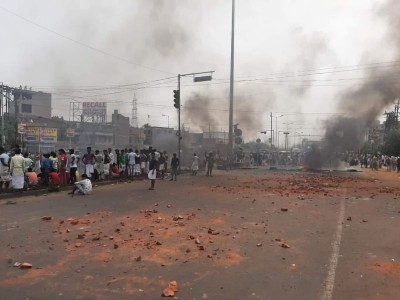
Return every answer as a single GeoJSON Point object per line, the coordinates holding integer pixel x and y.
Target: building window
{"type": "Point", "coordinates": [26, 108]}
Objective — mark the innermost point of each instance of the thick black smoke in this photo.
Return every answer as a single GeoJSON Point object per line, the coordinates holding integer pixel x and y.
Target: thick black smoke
{"type": "Point", "coordinates": [197, 110]}
{"type": "Point", "coordinates": [205, 111]}
{"type": "Point", "coordinates": [366, 102]}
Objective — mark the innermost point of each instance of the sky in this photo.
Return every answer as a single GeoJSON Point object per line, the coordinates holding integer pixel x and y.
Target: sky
{"type": "Point", "coordinates": [293, 58]}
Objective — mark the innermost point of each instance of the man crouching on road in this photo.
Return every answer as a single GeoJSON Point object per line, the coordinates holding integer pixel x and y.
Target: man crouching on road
{"type": "Point", "coordinates": [84, 186]}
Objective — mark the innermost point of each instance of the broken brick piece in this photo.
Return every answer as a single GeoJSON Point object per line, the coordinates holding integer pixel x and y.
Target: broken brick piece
{"type": "Point", "coordinates": [25, 265]}
{"type": "Point", "coordinates": [168, 292]}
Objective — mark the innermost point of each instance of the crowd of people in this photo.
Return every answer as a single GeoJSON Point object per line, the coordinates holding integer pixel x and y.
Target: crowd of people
{"type": "Point", "coordinates": [376, 161]}
{"type": "Point", "coordinates": [28, 170]}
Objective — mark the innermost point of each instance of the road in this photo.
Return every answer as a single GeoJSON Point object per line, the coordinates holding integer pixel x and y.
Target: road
{"type": "Point", "coordinates": [244, 234]}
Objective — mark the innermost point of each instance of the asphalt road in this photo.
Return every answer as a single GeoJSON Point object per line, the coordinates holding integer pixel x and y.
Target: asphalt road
{"type": "Point", "coordinates": [245, 234]}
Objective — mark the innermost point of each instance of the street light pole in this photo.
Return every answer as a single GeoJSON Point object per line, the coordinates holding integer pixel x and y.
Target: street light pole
{"type": "Point", "coordinates": [179, 123]}
{"type": "Point", "coordinates": [271, 130]}
{"type": "Point", "coordinates": [276, 129]}
{"type": "Point", "coordinates": [2, 116]}
{"type": "Point", "coordinates": [195, 79]}
{"type": "Point", "coordinates": [230, 141]}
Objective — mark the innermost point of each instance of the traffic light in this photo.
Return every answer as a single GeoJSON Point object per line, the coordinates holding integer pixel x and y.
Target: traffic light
{"type": "Point", "coordinates": [238, 134]}
{"type": "Point", "coordinates": [177, 99]}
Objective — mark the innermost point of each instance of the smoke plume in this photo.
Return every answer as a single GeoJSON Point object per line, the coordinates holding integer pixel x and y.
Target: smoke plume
{"type": "Point", "coordinates": [366, 102]}
{"type": "Point", "coordinates": [197, 110]}
{"type": "Point", "coordinates": [312, 48]}
{"type": "Point", "coordinates": [205, 111]}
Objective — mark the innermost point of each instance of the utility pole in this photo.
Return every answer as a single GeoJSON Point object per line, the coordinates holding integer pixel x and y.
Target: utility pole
{"type": "Point", "coordinates": [286, 140]}
{"type": "Point", "coordinates": [179, 123]}
{"type": "Point", "coordinates": [231, 82]}
{"type": "Point", "coordinates": [16, 110]}
{"type": "Point", "coordinates": [397, 112]}
{"type": "Point", "coordinates": [271, 130]}
{"type": "Point", "coordinates": [3, 138]}
{"type": "Point", "coordinates": [177, 102]}
{"type": "Point", "coordinates": [134, 120]}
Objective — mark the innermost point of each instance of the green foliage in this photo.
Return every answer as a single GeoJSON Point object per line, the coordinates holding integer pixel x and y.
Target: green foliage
{"type": "Point", "coordinates": [391, 145]}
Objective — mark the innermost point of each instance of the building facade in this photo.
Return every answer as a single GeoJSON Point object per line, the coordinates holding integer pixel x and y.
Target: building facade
{"type": "Point", "coordinates": [29, 103]}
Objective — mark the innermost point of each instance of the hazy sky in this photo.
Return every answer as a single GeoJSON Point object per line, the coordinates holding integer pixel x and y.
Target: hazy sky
{"type": "Point", "coordinates": [288, 57]}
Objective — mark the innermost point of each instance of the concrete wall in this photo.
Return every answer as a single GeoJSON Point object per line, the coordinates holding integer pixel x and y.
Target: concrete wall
{"type": "Point", "coordinates": [32, 103]}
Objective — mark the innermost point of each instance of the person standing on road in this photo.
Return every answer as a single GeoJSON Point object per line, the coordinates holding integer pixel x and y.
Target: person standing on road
{"type": "Point", "coordinates": [142, 160]}
{"type": "Point", "coordinates": [62, 162]}
{"type": "Point", "coordinates": [166, 162]}
{"type": "Point", "coordinates": [53, 157]}
{"type": "Point", "coordinates": [28, 162]}
{"type": "Point", "coordinates": [147, 161]}
{"type": "Point", "coordinates": [131, 163]}
{"type": "Point", "coordinates": [195, 164]}
{"type": "Point", "coordinates": [387, 163]}
{"type": "Point", "coordinates": [122, 162]}
{"type": "Point", "coordinates": [89, 160]}
{"type": "Point", "coordinates": [99, 165]}
{"type": "Point", "coordinates": [174, 166]}
{"type": "Point", "coordinates": [17, 170]}
{"type": "Point", "coordinates": [116, 158]}
{"type": "Point", "coordinates": [73, 165]}
{"type": "Point", "coordinates": [210, 164]}
{"type": "Point", "coordinates": [374, 164]}
{"type": "Point", "coordinates": [398, 164]}
{"type": "Point", "coordinates": [138, 171]}
{"type": "Point", "coordinates": [111, 155]}
{"type": "Point", "coordinates": [106, 164]}
{"type": "Point", "coordinates": [152, 171]}
{"type": "Point", "coordinates": [46, 167]}
{"type": "Point", "coordinates": [5, 177]}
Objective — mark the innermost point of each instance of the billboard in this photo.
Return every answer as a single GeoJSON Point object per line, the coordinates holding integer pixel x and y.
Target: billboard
{"type": "Point", "coordinates": [21, 128]}
{"type": "Point", "coordinates": [94, 109]}
{"type": "Point", "coordinates": [70, 132]}
{"type": "Point", "coordinates": [48, 135]}
{"type": "Point", "coordinates": [31, 134]}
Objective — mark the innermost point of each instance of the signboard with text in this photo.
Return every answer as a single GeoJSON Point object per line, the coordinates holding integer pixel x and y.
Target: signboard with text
{"type": "Point", "coordinates": [70, 132]}
{"type": "Point", "coordinates": [94, 109]}
{"type": "Point", "coordinates": [48, 135]}
{"type": "Point", "coordinates": [31, 134]}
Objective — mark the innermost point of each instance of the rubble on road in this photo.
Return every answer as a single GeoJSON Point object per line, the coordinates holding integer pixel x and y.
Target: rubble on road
{"type": "Point", "coordinates": [171, 289]}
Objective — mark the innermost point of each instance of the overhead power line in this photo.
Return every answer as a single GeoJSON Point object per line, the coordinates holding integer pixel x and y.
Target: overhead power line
{"type": "Point", "coordinates": [81, 43]}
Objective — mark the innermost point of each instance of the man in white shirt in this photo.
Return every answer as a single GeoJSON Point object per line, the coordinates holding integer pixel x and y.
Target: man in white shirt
{"type": "Point", "coordinates": [73, 165]}
{"type": "Point", "coordinates": [131, 163]}
{"type": "Point", "coordinates": [5, 177]}
{"type": "Point", "coordinates": [112, 160]}
{"type": "Point", "coordinates": [84, 186]}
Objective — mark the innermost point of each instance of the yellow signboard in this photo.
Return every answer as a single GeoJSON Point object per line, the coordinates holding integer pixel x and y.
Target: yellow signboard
{"type": "Point", "coordinates": [48, 135]}
{"type": "Point", "coordinates": [31, 134]}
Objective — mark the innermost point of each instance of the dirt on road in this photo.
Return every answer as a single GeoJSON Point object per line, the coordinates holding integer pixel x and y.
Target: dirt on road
{"type": "Point", "coordinates": [245, 234]}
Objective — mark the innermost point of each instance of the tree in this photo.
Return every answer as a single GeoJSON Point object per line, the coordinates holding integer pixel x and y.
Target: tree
{"type": "Point", "coordinates": [391, 145]}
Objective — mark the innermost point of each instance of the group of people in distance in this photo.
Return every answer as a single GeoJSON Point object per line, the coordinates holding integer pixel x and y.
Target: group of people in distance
{"type": "Point", "coordinates": [27, 171]}
{"type": "Point", "coordinates": [24, 171]}
{"type": "Point", "coordinates": [124, 163]}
